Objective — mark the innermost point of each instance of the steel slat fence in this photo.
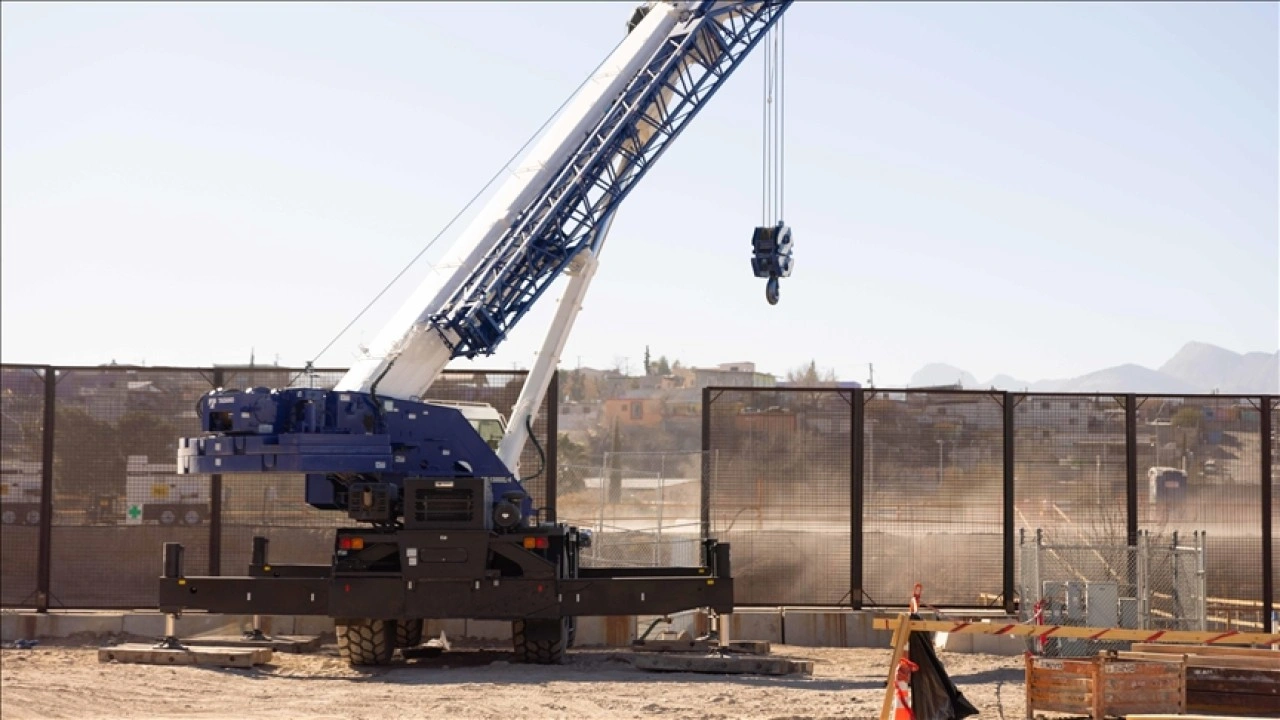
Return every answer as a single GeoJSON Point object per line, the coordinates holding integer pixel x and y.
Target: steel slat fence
{"type": "Point", "coordinates": [829, 496]}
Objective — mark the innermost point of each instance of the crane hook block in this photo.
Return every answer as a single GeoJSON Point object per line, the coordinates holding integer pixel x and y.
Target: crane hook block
{"type": "Point", "coordinates": [771, 256]}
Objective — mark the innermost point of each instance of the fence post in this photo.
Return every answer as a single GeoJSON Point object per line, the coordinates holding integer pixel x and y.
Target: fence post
{"type": "Point", "coordinates": [1131, 468]}
{"type": "Point", "coordinates": [1268, 539]}
{"type": "Point", "coordinates": [1142, 587]}
{"type": "Point", "coordinates": [706, 463]}
{"type": "Point", "coordinates": [857, 484]}
{"type": "Point", "coordinates": [553, 444]}
{"type": "Point", "coordinates": [44, 551]}
{"type": "Point", "coordinates": [1007, 499]}
{"type": "Point", "coordinates": [215, 503]}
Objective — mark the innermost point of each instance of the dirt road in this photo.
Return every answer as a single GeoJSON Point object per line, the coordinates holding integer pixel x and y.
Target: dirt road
{"type": "Point", "coordinates": [69, 682]}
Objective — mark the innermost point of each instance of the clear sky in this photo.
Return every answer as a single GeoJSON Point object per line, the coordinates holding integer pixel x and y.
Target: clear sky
{"type": "Point", "coordinates": [1038, 189]}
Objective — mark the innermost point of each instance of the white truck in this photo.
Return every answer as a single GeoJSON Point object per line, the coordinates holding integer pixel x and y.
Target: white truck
{"type": "Point", "coordinates": [19, 492]}
{"type": "Point", "coordinates": [154, 492]}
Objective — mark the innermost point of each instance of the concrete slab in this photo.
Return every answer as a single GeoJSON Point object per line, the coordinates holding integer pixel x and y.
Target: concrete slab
{"type": "Point", "coordinates": [310, 625]}
{"type": "Point", "coordinates": [33, 625]}
{"type": "Point", "coordinates": [152, 624]}
{"type": "Point", "coordinates": [140, 653]}
{"type": "Point", "coordinates": [605, 631]}
{"type": "Point", "coordinates": [832, 628]}
{"type": "Point", "coordinates": [722, 665]}
{"type": "Point", "coordinates": [763, 625]}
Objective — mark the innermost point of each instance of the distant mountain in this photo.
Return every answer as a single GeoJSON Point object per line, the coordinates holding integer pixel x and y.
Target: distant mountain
{"type": "Point", "coordinates": [1211, 367]}
{"type": "Point", "coordinates": [1196, 368]}
{"type": "Point", "coordinates": [935, 374]}
{"type": "Point", "coordinates": [1126, 378]}
{"type": "Point", "coordinates": [1005, 382]}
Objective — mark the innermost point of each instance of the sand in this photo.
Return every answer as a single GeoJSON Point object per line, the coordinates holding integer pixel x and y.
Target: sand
{"type": "Point", "coordinates": [67, 681]}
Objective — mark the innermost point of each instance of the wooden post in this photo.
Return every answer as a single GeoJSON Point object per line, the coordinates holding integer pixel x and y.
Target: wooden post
{"type": "Point", "coordinates": [1027, 683]}
{"type": "Point", "coordinates": [901, 636]}
{"type": "Point", "coordinates": [1099, 689]}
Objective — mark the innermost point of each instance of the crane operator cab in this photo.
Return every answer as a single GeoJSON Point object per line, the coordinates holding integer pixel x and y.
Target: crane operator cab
{"type": "Point", "coordinates": [484, 418]}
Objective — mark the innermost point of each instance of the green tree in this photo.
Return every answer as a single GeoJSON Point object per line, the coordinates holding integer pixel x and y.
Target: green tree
{"type": "Point", "coordinates": [811, 376]}
{"type": "Point", "coordinates": [143, 433]}
{"type": "Point", "coordinates": [648, 364]}
{"type": "Point", "coordinates": [663, 367]}
{"type": "Point", "coordinates": [1187, 417]}
{"type": "Point", "coordinates": [88, 457]}
{"type": "Point", "coordinates": [615, 473]}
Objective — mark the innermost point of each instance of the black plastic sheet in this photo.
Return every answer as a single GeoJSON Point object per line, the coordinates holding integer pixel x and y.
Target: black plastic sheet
{"type": "Point", "coordinates": [933, 695]}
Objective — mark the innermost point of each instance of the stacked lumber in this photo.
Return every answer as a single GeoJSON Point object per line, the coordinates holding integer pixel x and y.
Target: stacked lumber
{"type": "Point", "coordinates": [1222, 680]}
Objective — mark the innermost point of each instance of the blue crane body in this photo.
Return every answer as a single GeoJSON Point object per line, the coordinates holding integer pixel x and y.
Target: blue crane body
{"type": "Point", "coordinates": [451, 532]}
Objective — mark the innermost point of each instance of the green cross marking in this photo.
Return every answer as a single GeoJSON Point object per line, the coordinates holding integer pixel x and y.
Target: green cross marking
{"type": "Point", "coordinates": [134, 511]}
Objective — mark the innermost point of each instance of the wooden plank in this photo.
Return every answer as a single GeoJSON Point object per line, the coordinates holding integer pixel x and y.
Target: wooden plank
{"type": "Point", "coordinates": [1168, 716]}
{"type": "Point", "coordinates": [1083, 668]}
{"type": "Point", "coordinates": [901, 636]}
{"type": "Point", "coordinates": [1229, 637]}
{"type": "Point", "coordinates": [1204, 650]}
{"type": "Point", "coordinates": [1200, 661]}
{"type": "Point", "coordinates": [279, 643]}
{"type": "Point", "coordinates": [1143, 704]}
{"type": "Point", "coordinates": [749, 647]}
{"type": "Point", "coordinates": [143, 654]}
{"type": "Point", "coordinates": [1028, 665]}
{"type": "Point", "coordinates": [1232, 702]}
{"type": "Point", "coordinates": [1059, 682]}
{"type": "Point", "coordinates": [1258, 682]}
{"type": "Point", "coordinates": [1145, 685]}
{"type": "Point", "coordinates": [720, 665]}
{"type": "Point", "coordinates": [1063, 703]}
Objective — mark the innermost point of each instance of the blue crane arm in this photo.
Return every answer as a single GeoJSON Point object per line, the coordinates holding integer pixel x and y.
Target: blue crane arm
{"type": "Point", "coordinates": [647, 116]}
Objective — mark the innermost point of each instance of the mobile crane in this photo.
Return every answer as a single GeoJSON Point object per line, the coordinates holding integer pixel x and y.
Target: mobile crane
{"type": "Point", "coordinates": [450, 531]}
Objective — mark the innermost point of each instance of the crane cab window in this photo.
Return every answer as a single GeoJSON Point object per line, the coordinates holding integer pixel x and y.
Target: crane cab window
{"type": "Point", "coordinates": [490, 431]}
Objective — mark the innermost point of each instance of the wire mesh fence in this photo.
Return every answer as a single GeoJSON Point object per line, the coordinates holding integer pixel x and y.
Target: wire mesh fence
{"type": "Point", "coordinates": [22, 412]}
{"type": "Point", "coordinates": [933, 495]}
{"type": "Point", "coordinates": [780, 494]}
{"type": "Point", "coordinates": [643, 508]}
{"type": "Point", "coordinates": [828, 496]}
{"type": "Point", "coordinates": [1151, 585]}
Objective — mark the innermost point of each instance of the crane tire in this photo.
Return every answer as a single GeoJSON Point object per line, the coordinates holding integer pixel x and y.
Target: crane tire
{"type": "Point", "coordinates": [366, 641]}
{"type": "Point", "coordinates": [409, 633]}
{"type": "Point", "coordinates": [540, 642]}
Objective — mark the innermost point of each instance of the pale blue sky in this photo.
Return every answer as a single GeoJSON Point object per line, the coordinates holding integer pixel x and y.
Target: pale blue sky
{"type": "Point", "coordinates": [1037, 189]}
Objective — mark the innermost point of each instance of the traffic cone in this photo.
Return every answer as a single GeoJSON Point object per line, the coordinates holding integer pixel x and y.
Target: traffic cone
{"type": "Point", "coordinates": [901, 706]}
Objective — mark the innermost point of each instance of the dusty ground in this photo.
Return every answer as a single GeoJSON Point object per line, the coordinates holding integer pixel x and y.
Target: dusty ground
{"type": "Point", "coordinates": [67, 681]}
